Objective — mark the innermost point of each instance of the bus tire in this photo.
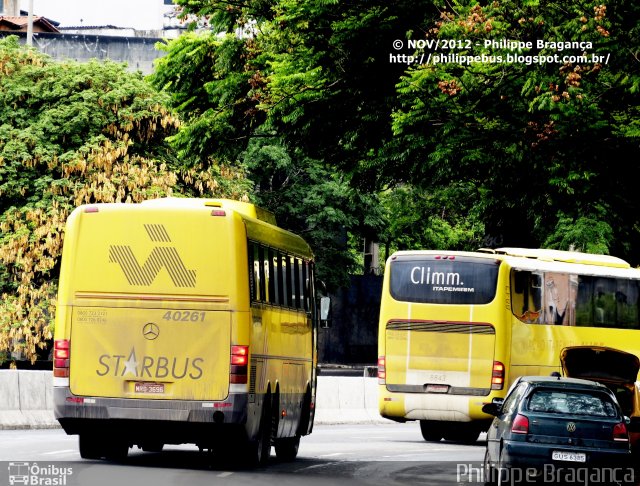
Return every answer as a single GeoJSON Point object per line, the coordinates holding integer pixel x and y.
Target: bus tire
{"type": "Point", "coordinates": [431, 431]}
{"type": "Point", "coordinates": [259, 449]}
{"type": "Point", "coordinates": [305, 417]}
{"type": "Point", "coordinates": [152, 446]}
{"type": "Point", "coordinates": [116, 450]}
{"type": "Point", "coordinates": [90, 446]}
{"type": "Point", "coordinates": [462, 433]}
{"type": "Point", "coordinates": [287, 448]}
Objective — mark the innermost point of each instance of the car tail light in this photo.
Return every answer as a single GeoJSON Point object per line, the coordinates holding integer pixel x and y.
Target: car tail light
{"type": "Point", "coordinates": [497, 376]}
{"type": "Point", "coordinates": [520, 425]}
{"type": "Point", "coordinates": [239, 364]}
{"type": "Point", "coordinates": [620, 432]}
{"type": "Point", "coordinates": [382, 372]}
{"type": "Point", "coordinates": [61, 358]}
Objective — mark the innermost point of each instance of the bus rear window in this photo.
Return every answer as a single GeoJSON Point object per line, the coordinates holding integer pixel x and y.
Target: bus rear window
{"type": "Point", "coordinates": [452, 280]}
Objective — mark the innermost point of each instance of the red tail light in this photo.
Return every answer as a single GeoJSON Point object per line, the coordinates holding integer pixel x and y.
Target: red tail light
{"type": "Point", "coordinates": [239, 364]}
{"type": "Point", "coordinates": [620, 432]}
{"type": "Point", "coordinates": [497, 376]}
{"type": "Point", "coordinates": [520, 425]}
{"type": "Point", "coordinates": [382, 372]}
{"type": "Point", "coordinates": [61, 358]}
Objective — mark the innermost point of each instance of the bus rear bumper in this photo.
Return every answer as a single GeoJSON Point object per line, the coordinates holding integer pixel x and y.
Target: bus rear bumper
{"type": "Point", "coordinates": [77, 414]}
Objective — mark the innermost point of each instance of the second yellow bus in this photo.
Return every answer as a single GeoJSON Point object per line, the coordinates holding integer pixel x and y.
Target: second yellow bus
{"type": "Point", "coordinates": [456, 328]}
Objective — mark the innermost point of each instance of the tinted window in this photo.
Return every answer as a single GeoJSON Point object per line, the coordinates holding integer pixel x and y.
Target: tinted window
{"type": "Point", "coordinates": [455, 280]}
{"type": "Point", "coordinates": [575, 300]}
{"type": "Point", "coordinates": [511, 402]}
{"type": "Point", "coordinates": [574, 403]}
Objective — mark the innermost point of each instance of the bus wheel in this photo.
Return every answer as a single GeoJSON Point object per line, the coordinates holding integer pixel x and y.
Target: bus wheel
{"type": "Point", "coordinates": [89, 446]}
{"type": "Point", "coordinates": [152, 446]}
{"type": "Point", "coordinates": [259, 449]}
{"type": "Point", "coordinates": [462, 433]}
{"type": "Point", "coordinates": [287, 449]}
{"type": "Point", "coordinates": [303, 425]}
{"type": "Point", "coordinates": [431, 431]}
{"type": "Point", "coordinates": [116, 449]}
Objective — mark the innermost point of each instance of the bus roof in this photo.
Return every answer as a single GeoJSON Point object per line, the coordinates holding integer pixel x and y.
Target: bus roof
{"type": "Point", "coordinates": [545, 260]}
{"type": "Point", "coordinates": [241, 207]}
{"type": "Point", "coordinates": [260, 223]}
{"type": "Point", "coordinates": [560, 256]}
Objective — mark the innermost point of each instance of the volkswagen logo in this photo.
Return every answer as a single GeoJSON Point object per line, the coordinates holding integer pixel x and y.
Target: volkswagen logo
{"type": "Point", "coordinates": [571, 427]}
{"type": "Point", "coordinates": [150, 331]}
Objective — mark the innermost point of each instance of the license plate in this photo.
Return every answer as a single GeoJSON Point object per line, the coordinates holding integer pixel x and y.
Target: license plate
{"type": "Point", "coordinates": [149, 387]}
{"type": "Point", "coordinates": [569, 456]}
{"type": "Point", "coordinates": [437, 388]}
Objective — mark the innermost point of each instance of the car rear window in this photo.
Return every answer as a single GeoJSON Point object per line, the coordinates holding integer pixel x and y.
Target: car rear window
{"type": "Point", "coordinates": [572, 402]}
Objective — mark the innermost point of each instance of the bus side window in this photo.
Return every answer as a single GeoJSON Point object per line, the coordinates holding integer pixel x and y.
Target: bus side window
{"type": "Point", "coordinates": [260, 263]}
{"type": "Point", "coordinates": [286, 281]}
{"type": "Point", "coordinates": [527, 296]}
{"type": "Point", "coordinates": [291, 282]}
{"type": "Point", "coordinates": [252, 272]}
{"type": "Point", "coordinates": [274, 294]}
{"type": "Point", "coordinates": [584, 301]}
{"type": "Point", "coordinates": [305, 285]}
{"type": "Point", "coordinates": [280, 278]}
{"type": "Point", "coordinates": [627, 304]}
{"type": "Point", "coordinates": [297, 274]}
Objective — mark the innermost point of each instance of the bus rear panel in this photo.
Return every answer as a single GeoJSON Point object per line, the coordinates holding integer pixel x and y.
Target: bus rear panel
{"type": "Point", "coordinates": [440, 350]}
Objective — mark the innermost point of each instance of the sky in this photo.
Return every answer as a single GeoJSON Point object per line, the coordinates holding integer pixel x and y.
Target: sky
{"type": "Point", "coordinates": [138, 14]}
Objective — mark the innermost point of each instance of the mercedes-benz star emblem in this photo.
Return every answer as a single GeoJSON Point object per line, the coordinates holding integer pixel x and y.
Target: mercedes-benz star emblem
{"type": "Point", "coordinates": [150, 331]}
{"type": "Point", "coordinates": [571, 427]}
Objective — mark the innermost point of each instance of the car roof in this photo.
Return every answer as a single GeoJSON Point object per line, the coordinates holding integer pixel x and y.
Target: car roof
{"type": "Point", "coordinates": [562, 382]}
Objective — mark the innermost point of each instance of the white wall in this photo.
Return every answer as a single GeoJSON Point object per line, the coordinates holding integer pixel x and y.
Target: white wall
{"type": "Point", "coordinates": [138, 14]}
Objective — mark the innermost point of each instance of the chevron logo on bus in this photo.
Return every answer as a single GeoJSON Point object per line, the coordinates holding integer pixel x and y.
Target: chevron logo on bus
{"type": "Point", "coordinates": [160, 257]}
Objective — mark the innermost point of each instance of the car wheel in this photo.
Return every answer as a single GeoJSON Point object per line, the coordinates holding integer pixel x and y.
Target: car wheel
{"type": "Point", "coordinates": [490, 478]}
{"type": "Point", "coordinates": [503, 470]}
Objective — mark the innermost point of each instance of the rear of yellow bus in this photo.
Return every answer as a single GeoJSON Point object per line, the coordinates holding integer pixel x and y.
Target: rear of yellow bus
{"type": "Point", "coordinates": [151, 336]}
{"type": "Point", "coordinates": [442, 341]}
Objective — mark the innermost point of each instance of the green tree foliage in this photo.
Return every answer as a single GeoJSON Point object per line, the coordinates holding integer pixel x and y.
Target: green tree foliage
{"type": "Point", "coordinates": [554, 146]}
{"type": "Point", "coordinates": [314, 200]}
{"type": "Point", "coordinates": [246, 102]}
{"type": "Point", "coordinates": [71, 134]}
{"type": "Point", "coordinates": [419, 218]}
{"type": "Point", "coordinates": [529, 152]}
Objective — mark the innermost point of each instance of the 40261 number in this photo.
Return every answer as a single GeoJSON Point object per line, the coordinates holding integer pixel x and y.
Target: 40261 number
{"type": "Point", "coordinates": [184, 316]}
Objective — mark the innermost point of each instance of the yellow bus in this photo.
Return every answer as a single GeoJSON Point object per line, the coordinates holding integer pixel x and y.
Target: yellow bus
{"type": "Point", "coordinates": [457, 328]}
{"type": "Point", "coordinates": [185, 321]}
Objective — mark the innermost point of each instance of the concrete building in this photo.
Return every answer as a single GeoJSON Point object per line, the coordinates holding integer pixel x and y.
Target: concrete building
{"type": "Point", "coordinates": [119, 18]}
{"type": "Point", "coordinates": [119, 30]}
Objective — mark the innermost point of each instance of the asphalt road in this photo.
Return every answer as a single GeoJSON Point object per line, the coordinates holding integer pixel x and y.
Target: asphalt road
{"type": "Point", "coordinates": [385, 454]}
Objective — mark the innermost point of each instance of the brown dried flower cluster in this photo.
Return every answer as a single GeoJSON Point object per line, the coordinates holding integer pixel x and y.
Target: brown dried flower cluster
{"type": "Point", "coordinates": [450, 88]}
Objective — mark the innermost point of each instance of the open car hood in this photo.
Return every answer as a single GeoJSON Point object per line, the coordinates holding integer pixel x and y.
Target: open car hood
{"type": "Point", "coordinates": [596, 363]}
